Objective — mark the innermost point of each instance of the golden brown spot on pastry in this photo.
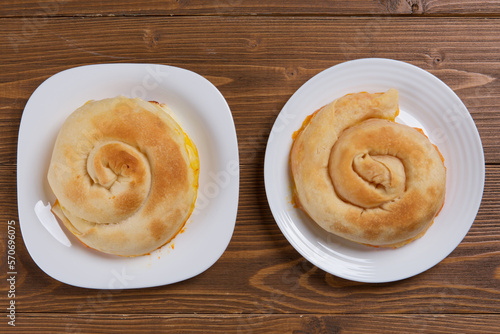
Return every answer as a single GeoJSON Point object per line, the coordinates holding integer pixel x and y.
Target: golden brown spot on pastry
{"type": "Point", "coordinates": [74, 189]}
{"type": "Point", "coordinates": [156, 229]}
{"type": "Point", "coordinates": [171, 169]}
{"type": "Point", "coordinates": [372, 231]}
{"type": "Point", "coordinates": [353, 216]}
{"type": "Point", "coordinates": [432, 191]}
{"type": "Point", "coordinates": [126, 201]}
{"type": "Point", "coordinates": [342, 228]}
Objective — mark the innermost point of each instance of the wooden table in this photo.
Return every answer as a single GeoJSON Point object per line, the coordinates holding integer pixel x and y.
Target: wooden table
{"type": "Point", "coordinates": [258, 53]}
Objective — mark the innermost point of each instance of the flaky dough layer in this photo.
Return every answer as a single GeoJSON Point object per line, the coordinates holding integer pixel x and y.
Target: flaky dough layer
{"type": "Point", "coordinates": [361, 176]}
{"type": "Point", "coordinates": [125, 175]}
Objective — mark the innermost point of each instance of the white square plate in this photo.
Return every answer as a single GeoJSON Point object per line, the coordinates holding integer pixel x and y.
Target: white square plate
{"type": "Point", "coordinates": [204, 115]}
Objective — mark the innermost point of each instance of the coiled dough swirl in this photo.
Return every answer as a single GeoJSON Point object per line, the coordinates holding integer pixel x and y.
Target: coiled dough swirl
{"type": "Point", "coordinates": [125, 175]}
{"type": "Point", "coordinates": [361, 176]}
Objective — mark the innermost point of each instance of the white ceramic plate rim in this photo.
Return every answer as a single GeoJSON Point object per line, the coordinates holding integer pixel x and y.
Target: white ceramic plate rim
{"type": "Point", "coordinates": [450, 127]}
{"type": "Point", "coordinates": [203, 113]}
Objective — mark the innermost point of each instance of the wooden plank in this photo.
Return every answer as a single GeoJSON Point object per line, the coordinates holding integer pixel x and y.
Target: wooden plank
{"type": "Point", "coordinates": [48, 8]}
{"type": "Point", "coordinates": [260, 273]}
{"type": "Point", "coordinates": [256, 69]}
{"type": "Point", "coordinates": [205, 7]}
{"type": "Point", "coordinates": [247, 324]}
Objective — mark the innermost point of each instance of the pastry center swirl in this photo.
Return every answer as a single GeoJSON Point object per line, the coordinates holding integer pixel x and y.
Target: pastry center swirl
{"type": "Point", "coordinates": [366, 176]}
{"type": "Point", "coordinates": [122, 171]}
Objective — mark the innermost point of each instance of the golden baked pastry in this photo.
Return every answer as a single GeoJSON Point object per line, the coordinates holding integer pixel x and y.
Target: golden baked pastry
{"type": "Point", "coordinates": [125, 175]}
{"type": "Point", "coordinates": [361, 176]}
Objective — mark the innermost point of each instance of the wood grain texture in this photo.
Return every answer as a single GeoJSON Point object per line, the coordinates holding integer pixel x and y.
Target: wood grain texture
{"type": "Point", "coordinates": [255, 68]}
{"type": "Point", "coordinates": [271, 323]}
{"type": "Point", "coordinates": [49, 8]}
{"type": "Point", "coordinates": [272, 278]}
{"type": "Point", "coordinates": [261, 283]}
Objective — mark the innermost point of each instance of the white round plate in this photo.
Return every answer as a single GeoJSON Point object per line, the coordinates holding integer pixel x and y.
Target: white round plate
{"type": "Point", "coordinates": [425, 102]}
{"type": "Point", "coordinates": [202, 112]}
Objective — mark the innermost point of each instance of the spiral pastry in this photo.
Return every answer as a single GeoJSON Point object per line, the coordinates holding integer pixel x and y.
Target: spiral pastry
{"type": "Point", "coordinates": [125, 175]}
{"type": "Point", "coordinates": [361, 176]}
